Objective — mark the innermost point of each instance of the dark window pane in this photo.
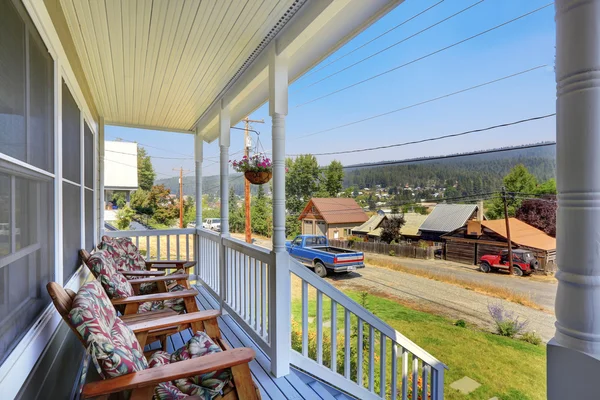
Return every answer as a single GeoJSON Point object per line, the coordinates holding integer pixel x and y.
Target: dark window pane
{"type": "Point", "coordinates": [71, 229]}
{"type": "Point", "coordinates": [12, 82]}
{"type": "Point", "coordinates": [88, 147]}
{"type": "Point", "coordinates": [25, 213]}
{"type": "Point", "coordinates": [41, 111]}
{"type": "Point", "coordinates": [23, 294]}
{"type": "Point", "coordinates": [71, 137]}
{"type": "Point", "coordinates": [89, 220]}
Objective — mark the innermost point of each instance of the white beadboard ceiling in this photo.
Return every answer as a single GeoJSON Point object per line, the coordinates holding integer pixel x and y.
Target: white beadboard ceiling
{"type": "Point", "coordinates": [161, 63]}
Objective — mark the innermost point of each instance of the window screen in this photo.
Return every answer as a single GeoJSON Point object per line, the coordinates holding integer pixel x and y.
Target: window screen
{"type": "Point", "coordinates": [89, 219]}
{"type": "Point", "coordinates": [71, 229]}
{"type": "Point", "coordinates": [26, 254]}
{"type": "Point", "coordinates": [71, 137]}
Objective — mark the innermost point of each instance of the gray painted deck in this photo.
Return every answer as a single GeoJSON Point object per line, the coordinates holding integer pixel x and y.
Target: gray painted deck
{"type": "Point", "coordinates": [295, 386]}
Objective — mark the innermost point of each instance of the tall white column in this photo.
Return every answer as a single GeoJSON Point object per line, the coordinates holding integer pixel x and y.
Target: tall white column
{"type": "Point", "coordinates": [198, 158]}
{"type": "Point", "coordinates": [101, 178]}
{"type": "Point", "coordinates": [574, 352]}
{"type": "Point", "coordinates": [224, 141]}
{"type": "Point", "coordinates": [279, 321]}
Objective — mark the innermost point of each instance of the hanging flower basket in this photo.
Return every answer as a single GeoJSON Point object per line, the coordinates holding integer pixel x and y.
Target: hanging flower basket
{"type": "Point", "coordinates": [257, 169]}
{"type": "Point", "coordinates": [258, 177]}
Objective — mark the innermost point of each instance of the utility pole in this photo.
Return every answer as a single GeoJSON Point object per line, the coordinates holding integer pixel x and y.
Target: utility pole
{"type": "Point", "coordinates": [510, 257]}
{"type": "Point", "coordinates": [247, 146]}
{"type": "Point", "coordinates": [181, 196]}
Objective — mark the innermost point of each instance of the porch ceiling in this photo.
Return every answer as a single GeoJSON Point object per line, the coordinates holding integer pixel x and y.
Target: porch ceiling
{"type": "Point", "coordinates": [162, 63]}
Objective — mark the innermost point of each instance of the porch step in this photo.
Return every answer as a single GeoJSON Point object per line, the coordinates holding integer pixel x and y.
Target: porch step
{"type": "Point", "coordinates": [342, 396]}
{"type": "Point", "coordinates": [321, 391]}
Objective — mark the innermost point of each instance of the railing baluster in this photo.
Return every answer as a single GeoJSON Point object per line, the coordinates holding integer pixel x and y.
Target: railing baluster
{"type": "Point", "coordinates": [404, 374]}
{"type": "Point", "coordinates": [394, 388]}
{"type": "Point", "coordinates": [424, 391]}
{"type": "Point", "coordinates": [257, 295]}
{"type": "Point", "coordinates": [148, 248]}
{"type": "Point", "coordinates": [177, 256]}
{"type": "Point", "coordinates": [415, 378]}
{"type": "Point", "coordinates": [244, 284]}
{"type": "Point", "coordinates": [187, 249]}
{"type": "Point", "coordinates": [382, 364]}
{"type": "Point", "coordinates": [359, 353]}
{"type": "Point", "coordinates": [158, 247]}
{"type": "Point", "coordinates": [304, 318]}
{"type": "Point", "coordinates": [371, 359]}
{"type": "Point", "coordinates": [346, 343]}
{"type": "Point", "coordinates": [333, 335]}
{"type": "Point", "coordinates": [251, 293]}
{"type": "Point", "coordinates": [319, 326]}
{"type": "Point", "coordinates": [137, 242]}
{"type": "Point", "coordinates": [263, 299]}
{"type": "Point", "coordinates": [237, 282]}
{"type": "Point", "coordinates": [168, 247]}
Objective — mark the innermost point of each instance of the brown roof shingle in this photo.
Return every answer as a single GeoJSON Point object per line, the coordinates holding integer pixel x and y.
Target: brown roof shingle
{"type": "Point", "coordinates": [335, 210]}
{"type": "Point", "coordinates": [522, 234]}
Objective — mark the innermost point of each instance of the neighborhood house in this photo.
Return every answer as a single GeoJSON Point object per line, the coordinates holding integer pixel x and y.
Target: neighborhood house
{"type": "Point", "coordinates": [331, 217]}
{"type": "Point", "coordinates": [371, 230]}
{"type": "Point", "coordinates": [447, 217]}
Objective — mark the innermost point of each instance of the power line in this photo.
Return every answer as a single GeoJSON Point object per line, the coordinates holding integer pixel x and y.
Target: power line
{"type": "Point", "coordinates": [423, 57]}
{"type": "Point", "coordinates": [426, 101]}
{"type": "Point", "coordinates": [133, 166]}
{"type": "Point", "coordinates": [489, 128]}
{"type": "Point", "coordinates": [392, 46]}
{"type": "Point", "coordinates": [375, 38]}
{"type": "Point", "coordinates": [153, 147]}
{"type": "Point", "coordinates": [414, 160]}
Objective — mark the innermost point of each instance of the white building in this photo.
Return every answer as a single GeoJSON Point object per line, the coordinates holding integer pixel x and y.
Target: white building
{"type": "Point", "coordinates": [120, 168]}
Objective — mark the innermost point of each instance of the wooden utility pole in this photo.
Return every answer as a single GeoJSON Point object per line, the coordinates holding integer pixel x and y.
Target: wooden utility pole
{"type": "Point", "coordinates": [181, 196]}
{"type": "Point", "coordinates": [247, 145]}
{"type": "Point", "coordinates": [510, 257]}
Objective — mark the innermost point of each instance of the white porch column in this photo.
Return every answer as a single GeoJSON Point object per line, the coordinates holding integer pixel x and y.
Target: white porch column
{"type": "Point", "coordinates": [100, 178]}
{"type": "Point", "coordinates": [574, 352]}
{"type": "Point", "coordinates": [224, 140]}
{"type": "Point", "coordinates": [279, 321]}
{"type": "Point", "coordinates": [198, 158]}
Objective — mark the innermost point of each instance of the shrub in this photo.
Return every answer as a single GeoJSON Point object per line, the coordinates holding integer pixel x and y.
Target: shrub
{"type": "Point", "coordinates": [124, 217]}
{"type": "Point", "coordinates": [461, 323]}
{"type": "Point", "coordinates": [354, 239]}
{"type": "Point", "coordinates": [392, 253]}
{"type": "Point", "coordinates": [531, 337]}
{"type": "Point", "coordinates": [507, 324]}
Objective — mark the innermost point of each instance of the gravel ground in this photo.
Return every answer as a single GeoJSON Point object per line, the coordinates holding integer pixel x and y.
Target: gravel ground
{"type": "Point", "coordinates": [441, 298]}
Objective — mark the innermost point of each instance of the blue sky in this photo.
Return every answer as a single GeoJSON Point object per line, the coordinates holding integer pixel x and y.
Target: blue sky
{"type": "Point", "coordinates": [515, 47]}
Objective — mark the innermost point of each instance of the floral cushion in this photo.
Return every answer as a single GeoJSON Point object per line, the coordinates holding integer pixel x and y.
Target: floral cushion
{"type": "Point", "coordinates": [113, 347]}
{"type": "Point", "coordinates": [177, 305]}
{"type": "Point", "coordinates": [103, 267]}
{"type": "Point", "coordinates": [126, 254]}
{"type": "Point", "coordinates": [206, 385]}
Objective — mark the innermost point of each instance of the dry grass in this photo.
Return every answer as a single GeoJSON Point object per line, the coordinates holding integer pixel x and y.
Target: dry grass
{"type": "Point", "coordinates": [172, 247]}
{"type": "Point", "coordinates": [487, 289]}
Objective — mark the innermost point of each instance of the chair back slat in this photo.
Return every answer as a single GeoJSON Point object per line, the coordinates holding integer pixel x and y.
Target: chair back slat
{"type": "Point", "coordinates": [63, 301]}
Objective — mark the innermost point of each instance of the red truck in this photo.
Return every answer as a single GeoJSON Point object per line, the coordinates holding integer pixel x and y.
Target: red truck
{"type": "Point", "coordinates": [524, 262]}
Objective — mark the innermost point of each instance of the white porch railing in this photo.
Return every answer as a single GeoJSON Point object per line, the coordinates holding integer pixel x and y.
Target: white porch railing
{"type": "Point", "coordinates": [164, 244]}
{"type": "Point", "coordinates": [209, 248]}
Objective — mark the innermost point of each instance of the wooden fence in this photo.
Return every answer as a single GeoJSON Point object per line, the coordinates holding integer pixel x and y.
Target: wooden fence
{"type": "Point", "coordinates": [401, 250]}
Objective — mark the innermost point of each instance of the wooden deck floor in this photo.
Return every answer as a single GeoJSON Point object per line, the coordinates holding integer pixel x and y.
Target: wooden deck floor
{"type": "Point", "coordinates": [295, 386]}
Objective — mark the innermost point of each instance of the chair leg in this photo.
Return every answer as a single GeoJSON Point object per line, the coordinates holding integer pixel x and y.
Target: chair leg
{"type": "Point", "coordinates": [244, 385]}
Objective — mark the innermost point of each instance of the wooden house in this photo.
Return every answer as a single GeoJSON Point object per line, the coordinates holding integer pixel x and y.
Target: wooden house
{"type": "Point", "coordinates": [332, 217]}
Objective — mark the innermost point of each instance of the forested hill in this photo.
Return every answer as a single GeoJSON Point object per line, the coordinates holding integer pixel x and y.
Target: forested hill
{"type": "Point", "coordinates": [473, 173]}
{"type": "Point", "coordinates": [210, 184]}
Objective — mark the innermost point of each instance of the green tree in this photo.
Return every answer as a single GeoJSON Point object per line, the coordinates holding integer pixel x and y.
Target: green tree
{"type": "Point", "coordinates": [124, 217]}
{"type": "Point", "coordinates": [146, 174]}
{"type": "Point", "coordinates": [189, 211]}
{"type": "Point", "coordinates": [140, 202]}
{"type": "Point", "coordinates": [548, 187]}
{"type": "Point", "coordinates": [119, 199]}
{"type": "Point", "coordinates": [301, 181]}
{"type": "Point", "coordinates": [237, 220]}
{"type": "Point", "coordinates": [519, 182]}
{"type": "Point", "coordinates": [333, 178]}
{"type": "Point", "coordinates": [164, 209]}
{"type": "Point", "coordinates": [261, 215]}
{"type": "Point", "coordinates": [390, 228]}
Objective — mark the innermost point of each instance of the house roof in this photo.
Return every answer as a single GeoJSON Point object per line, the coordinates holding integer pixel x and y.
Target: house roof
{"type": "Point", "coordinates": [335, 210]}
{"type": "Point", "coordinates": [522, 233]}
{"type": "Point", "coordinates": [371, 225]}
{"type": "Point", "coordinates": [413, 224]}
{"type": "Point", "coordinates": [411, 227]}
{"type": "Point", "coordinates": [448, 217]}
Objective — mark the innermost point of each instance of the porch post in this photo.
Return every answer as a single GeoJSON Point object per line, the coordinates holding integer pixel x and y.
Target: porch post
{"type": "Point", "coordinates": [279, 318]}
{"type": "Point", "coordinates": [101, 178]}
{"type": "Point", "coordinates": [574, 352]}
{"type": "Point", "coordinates": [224, 139]}
{"type": "Point", "coordinates": [198, 157]}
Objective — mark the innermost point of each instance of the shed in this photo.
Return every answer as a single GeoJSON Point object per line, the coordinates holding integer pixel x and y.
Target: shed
{"type": "Point", "coordinates": [467, 244]}
{"type": "Point", "coordinates": [445, 218]}
{"type": "Point", "coordinates": [332, 217]}
{"type": "Point", "coordinates": [371, 230]}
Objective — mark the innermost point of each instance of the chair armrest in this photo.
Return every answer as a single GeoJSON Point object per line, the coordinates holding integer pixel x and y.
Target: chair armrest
{"type": "Point", "coordinates": [174, 320]}
{"type": "Point", "coordinates": [155, 297]}
{"type": "Point", "coordinates": [167, 264]}
{"type": "Point", "coordinates": [141, 273]}
{"type": "Point", "coordinates": [170, 372]}
{"type": "Point", "coordinates": [159, 279]}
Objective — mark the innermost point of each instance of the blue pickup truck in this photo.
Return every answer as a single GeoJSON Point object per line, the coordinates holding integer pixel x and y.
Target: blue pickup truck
{"type": "Point", "coordinates": [315, 252]}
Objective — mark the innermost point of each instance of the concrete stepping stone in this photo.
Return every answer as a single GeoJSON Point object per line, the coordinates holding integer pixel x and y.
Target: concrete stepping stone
{"type": "Point", "coordinates": [465, 385]}
{"type": "Point", "coordinates": [327, 324]}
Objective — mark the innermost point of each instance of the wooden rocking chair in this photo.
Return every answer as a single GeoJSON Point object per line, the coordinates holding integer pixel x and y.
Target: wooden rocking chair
{"type": "Point", "coordinates": [220, 360]}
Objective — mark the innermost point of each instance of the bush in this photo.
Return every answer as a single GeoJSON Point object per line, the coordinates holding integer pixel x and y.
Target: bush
{"type": "Point", "coordinates": [531, 337]}
{"type": "Point", "coordinates": [461, 323]}
{"type": "Point", "coordinates": [392, 253]}
{"type": "Point", "coordinates": [354, 239]}
{"type": "Point", "coordinates": [124, 217]}
{"type": "Point", "coordinates": [506, 323]}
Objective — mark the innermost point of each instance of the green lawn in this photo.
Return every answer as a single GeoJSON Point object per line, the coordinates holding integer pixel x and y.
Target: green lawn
{"type": "Point", "coordinates": [506, 368]}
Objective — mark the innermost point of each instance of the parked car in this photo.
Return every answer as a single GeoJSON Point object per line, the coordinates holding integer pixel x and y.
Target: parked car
{"type": "Point", "coordinates": [524, 262]}
{"type": "Point", "coordinates": [214, 224]}
{"type": "Point", "coordinates": [314, 252]}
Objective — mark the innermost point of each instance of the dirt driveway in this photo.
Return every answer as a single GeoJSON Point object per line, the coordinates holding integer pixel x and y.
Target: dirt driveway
{"type": "Point", "coordinates": [441, 298]}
